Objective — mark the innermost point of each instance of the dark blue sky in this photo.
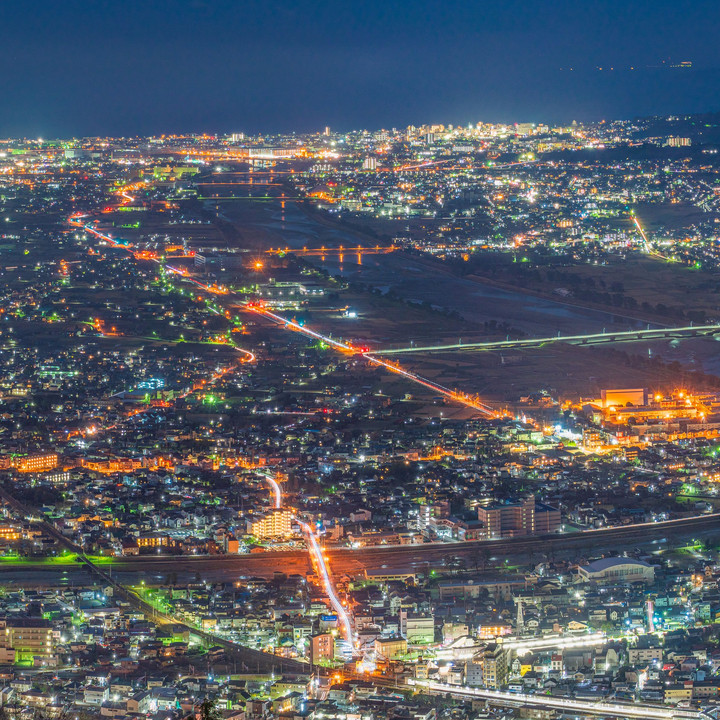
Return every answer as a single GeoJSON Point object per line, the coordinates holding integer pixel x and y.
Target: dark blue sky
{"type": "Point", "coordinates": [83, 67]}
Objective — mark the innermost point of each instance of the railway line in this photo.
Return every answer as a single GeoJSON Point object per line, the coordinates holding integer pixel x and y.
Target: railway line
{"type": "Point", "coordinates": [419, 558]}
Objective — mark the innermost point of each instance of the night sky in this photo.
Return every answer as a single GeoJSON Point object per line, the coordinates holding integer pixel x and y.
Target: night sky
{"type": "Point", "coordinates": [127, 67]}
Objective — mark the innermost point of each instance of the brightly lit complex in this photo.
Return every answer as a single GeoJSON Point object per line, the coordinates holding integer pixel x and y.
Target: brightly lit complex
{"type": "Point", "coordinates": [221, 302]}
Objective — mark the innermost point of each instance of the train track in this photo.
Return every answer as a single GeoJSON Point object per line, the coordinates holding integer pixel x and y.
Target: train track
{"type": "Point", "coordinates": [248, 657]}
{"type": "Point", "coordinates": [354, 561]}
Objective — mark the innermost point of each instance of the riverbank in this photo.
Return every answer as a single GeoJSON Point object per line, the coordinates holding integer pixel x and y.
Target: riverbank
{"type": "Point", "coordinates": [438, 266]}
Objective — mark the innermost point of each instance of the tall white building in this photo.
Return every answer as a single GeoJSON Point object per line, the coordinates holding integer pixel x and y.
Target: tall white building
{"type": "Point", "coordinates": [276, 522]}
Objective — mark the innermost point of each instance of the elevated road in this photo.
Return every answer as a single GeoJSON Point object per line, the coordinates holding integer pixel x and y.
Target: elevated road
{"type": "Point", "coordinates": [584, 707]}
{"type": "Point", "coordinates": [589, 339]}
{"type": "Point", "coordinates": [474, 553]}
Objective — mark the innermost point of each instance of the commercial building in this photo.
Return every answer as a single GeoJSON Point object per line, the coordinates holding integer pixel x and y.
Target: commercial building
{"type": "Point", "coordinates": [29, 638]}
{"type": "Point", "coordinates": [514, 519]}
{"type": "Point", "coordinates": [624, 397]}
{"type": "Point", "coordinates": [322, 646]}
{"type": "Point", "coordinates": [154, 540]}
{"type": "Point", "coordinates": [276, 522]}
{"type": "Point", "coordinates": [614, 570]}
{"type": "Point", "coordinates": [35, 463]}
{"type": "Point", "coordinates": [494, 666]}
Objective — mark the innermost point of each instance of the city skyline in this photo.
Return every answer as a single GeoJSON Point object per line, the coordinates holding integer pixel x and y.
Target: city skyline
{"type": "Point", "coordinates": [312, 418]}
{"type": "Point", "coordinates": [360, 361]}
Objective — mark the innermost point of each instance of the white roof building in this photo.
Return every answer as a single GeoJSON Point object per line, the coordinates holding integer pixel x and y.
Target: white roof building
{"type": "Point", "coordinates": [617, 570]}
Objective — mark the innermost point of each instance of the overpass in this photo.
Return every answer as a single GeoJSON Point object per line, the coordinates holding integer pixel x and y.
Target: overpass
{"type": "Point", "coordinates": [339, 251]}
{"type": "Point", "coordinates": [588, 339]}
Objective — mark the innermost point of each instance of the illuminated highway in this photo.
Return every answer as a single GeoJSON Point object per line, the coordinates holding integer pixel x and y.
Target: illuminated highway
{"type": "Point", "coordinates": [260, 309]}
{"type": "Point", "coordinates": [614, 709]}
{"type": "Point", "coordinates": [649, 249]}
{"type": "Point", "coordinates": [275, 487]}
{"type": "Point", "coordinates": [319, 562]}
{"type": "Point", "coordinates": [454, 395]}
{"type": "Point", "coordinates": [590, 338]}
{"type": "Point", "coordinates": [334, 251]}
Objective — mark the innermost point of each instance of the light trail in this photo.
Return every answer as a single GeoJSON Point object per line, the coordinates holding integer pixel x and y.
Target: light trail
{"type": "Point", "coordinates": [417, 166]}
{"type": "Point", "coordinates": [618, 710]}
{"type": "Point", "coordinates": [320, 562]}
{"type": "Point", "coordinates": [286, 322]}
{"type": "Point", "coordinates": [299, 413]}
{"type": "Point", "coordinates": [77, 221]}
{"type": "Point", "coordinates": [648, 245]}
{"type": "Point", "coordinates": [250, 355]}
{"type": "Point", "coordinates": [454, 395]}
{"type": "Point", "coordinates": [326, 251]}
{"type": "Point", "coordinates": [275, 485]}
{"type": "Point", "coordinates": [322, 568]}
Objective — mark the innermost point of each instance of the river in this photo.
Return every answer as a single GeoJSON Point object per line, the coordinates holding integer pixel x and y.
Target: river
{"type": "Point", "coordinates": [272, 224]}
